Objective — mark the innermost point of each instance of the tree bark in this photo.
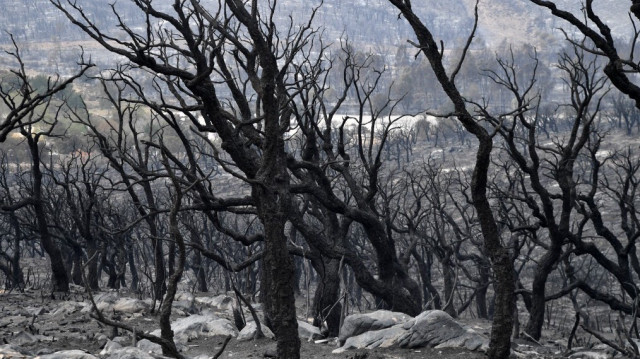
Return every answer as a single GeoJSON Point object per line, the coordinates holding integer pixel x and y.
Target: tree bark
{"type": "Point", "coordinates": [544, 268]}
{"type": "Point", "coordinates": [326, 301]}
{"type": "Point", "coordinates": [59, 277]}
{"type": "Point", "coordinates": [502, 263]}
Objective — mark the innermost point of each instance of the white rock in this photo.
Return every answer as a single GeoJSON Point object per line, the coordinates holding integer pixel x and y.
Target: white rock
{"type": "Point", "coordinates": [129, 305]}
{"type": "Point", "coordinates": [221, 302]}
{"type": "Point", "coordinates": [195, 326]}
{"type": "Point", "coordinates": [307, 331]}
{"type": "Point", "coordinates": [149, 347]}
{"type": "Point", "coordinates": [130, 353]}
{"type": "Point", "coordinates": [433, 328]}
{"type": "Point", "coordinates": [249, 332]}
{"type": "Point", "coordinates": [68, 307]}
{"type": "Point", "coordinates": [591, 355]}
{"type": "Point", "coordinates": [359, 323]}
{"type": "Point", "coordinates": [384, 338]}
{"type": "Point", "coordinates": [10, 351]}
{"type": "Point", "coordinates": [31, 311]}
{"type": "Point", "coordinates": [188, 297]}
{"type": "Point", "coordinates": [67, 354]}
{"type": "Point", "coordinates": [184, 306]}
{"type": "Point", "coordinates": [111, 347]}
{"type": "Point", "coordinates": [23, 338]}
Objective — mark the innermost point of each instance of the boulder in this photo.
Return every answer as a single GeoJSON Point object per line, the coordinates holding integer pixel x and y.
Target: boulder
{"type": "Point", "coordinates": [433, 328]}
{"type": "Point", "coordinates": [360, 323]}
{"type": "Point", "coordinates": [590, 354]}
{"type": "Point", "coordinates": [31, 311]}
{"type": "Point", "coordinates": [23, 338]}
{"type": "Point", "coordinates": [249, 332]}
{"type": "Point", "coordinates": [129, 305]}
{"type": "Point", "coordinates": [130, 353]}
{"type": "Point", "coordinates": [110, 301]}
{"type": "Point", "coordinates": [184, 306]}
{"type": "Point", "coordinates": [221, 302]}
{"type": "Point", "coordinates": [68, 307]}
{"type": "Point", "coordinates": [384, 338]}
{"type": "Point", "coordinates": [11, 351]}
{"type": "Point", "coordinates": [195, 326]}
{"type": "Point", "coordinates": [185, 296]}
{"type": "Point", "coordinates": [308, 332]}
{"type": "Point", "coordinates": [68, 354]}
{"type": "Point", "coordinates": [149, 347]}
{"type": "Point", "coordinates": [111, 347]}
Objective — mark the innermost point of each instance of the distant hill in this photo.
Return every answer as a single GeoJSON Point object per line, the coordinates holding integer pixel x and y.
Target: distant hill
{"type": "Point", "coordinates": [371, 22]}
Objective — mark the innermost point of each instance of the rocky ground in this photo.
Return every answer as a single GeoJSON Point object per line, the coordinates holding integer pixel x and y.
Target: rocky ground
{"type": "Point", "coordinates": [36, 324]}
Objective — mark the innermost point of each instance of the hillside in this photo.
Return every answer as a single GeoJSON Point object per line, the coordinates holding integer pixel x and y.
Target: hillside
{"type": "Point", "coordinates": [369, 23]}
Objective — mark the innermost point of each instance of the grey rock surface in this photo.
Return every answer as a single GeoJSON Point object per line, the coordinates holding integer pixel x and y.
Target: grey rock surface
{"type": "Point", "coordinates": [360, 323]}
{"type": "Point", "coordinates": [307, 331]}
{"type": "Point", "coordinates": [111, 347]}
{"type": "Point", "coordinates": [129, 305]}
{"type": "Point", "coordinates": [130, 353]}
{"type": "Point", "coordinates": [249, 332]}
{"type": "Point", "coordinates": [68, 354]}
{"type": "Point", "coordinates": [432, 328]}
{"type": "Point", "coordinates": [11, 351]}
{"type": "Point", "coordinates": [220, 302]}
{"type": "Point", "coordinates": [196, 326]}
{"type": "Point", "coordinates": [149, 347]}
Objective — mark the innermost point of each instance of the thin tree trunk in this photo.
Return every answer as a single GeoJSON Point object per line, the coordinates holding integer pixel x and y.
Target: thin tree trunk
{"type": "Point", "coordinates": [544, 268]}
{"type": "Point", "coordinates": [132, 268]}
{"type": "Point", "coordinates": [93, 276]}
{"type": "Point", "coordinates": [449, 287]}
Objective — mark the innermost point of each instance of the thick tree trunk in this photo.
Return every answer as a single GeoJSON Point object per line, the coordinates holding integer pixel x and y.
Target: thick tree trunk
{"type": "Point", "coordinates": [501, 260]}
{"type": "Point", "coordinates": [278, 274]}
{"type": "Point", "coordinates": [59, 277]}
{"type": "Point", "coordinates": [326, 302]}
{"type": "Point", "coordinates": [399, 291]}
{"type": "Point", "coordinates": [544, 268]}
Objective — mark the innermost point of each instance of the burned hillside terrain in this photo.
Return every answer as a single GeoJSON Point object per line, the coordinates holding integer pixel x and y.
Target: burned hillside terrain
{"type": "Point", "coordinates": [268, 179]}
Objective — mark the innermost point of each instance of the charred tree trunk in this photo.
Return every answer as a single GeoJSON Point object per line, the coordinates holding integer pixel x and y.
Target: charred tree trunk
{"type": "Point", "coordinates": [500, 256]}
{"type": "Point", "coordinates": [449, 275]}
{"type": "Point", "coordinates": [132, 268]}
{"type": "Point", "coordinates": [76, 266]}
{"type": "Point", "coordinates": [199, 272]}
{"type": "Point", "coordinates": [93, 276]}
{"type": "Point", "coordinates": [59, 277]}
{"type": "Point", "coordinates": [400, 292]}
{"type": "Point", "coordinates": [278, 273]}
{"type": "Point", "coordinates": [481, 294]}
{"type": "Point", "coordinates": [326, 302]}
{"type": "Point", "coordinates": [544, 268]}
{"type": "Point", "coordinates": [16, 269]}
{"type": "Point", "coordinates": [273, 201]}
{"type": "Point", "coordinates": [430, 293]}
